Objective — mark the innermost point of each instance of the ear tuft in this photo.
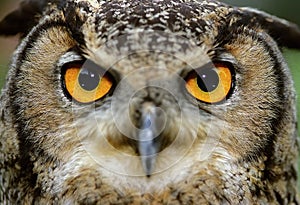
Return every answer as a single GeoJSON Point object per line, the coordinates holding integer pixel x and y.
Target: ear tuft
{"type": "Point", "coordinates": [284, 32]}
{"type": "Point", "coordinates": [22, 19]}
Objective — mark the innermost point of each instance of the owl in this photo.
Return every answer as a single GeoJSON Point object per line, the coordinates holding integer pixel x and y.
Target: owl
{"type": "Point", "coordinates": [147, 102]}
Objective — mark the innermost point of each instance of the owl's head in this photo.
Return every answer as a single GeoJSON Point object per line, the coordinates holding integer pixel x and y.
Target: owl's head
{"type": "Point", "coordinates": [144, 95]}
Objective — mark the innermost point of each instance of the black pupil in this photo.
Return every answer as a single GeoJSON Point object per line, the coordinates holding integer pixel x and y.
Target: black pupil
{"type": "Point", "coordinates": [88, 79]}
{"type": "Point", "coordinates": [208, 80]}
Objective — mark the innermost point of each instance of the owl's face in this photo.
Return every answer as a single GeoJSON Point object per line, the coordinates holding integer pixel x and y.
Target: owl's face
{"type": "Point", "coordinates": [145, 95]}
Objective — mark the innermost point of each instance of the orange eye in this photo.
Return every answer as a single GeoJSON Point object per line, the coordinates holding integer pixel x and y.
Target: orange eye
{"type": "Point", "coordinates": [85, 83]}
{"type": "Point", "coordinates": [210, 85]}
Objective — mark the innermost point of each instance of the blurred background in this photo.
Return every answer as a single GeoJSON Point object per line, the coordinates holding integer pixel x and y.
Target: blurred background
{"type": "Point", "coordinates": [286, 9]}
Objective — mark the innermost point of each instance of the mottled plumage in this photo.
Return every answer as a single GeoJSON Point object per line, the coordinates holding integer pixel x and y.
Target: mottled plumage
{"type": "Point", "coordinates": [147, 102]}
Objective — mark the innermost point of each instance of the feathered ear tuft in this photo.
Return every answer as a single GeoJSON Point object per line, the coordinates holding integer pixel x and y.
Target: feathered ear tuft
{"type": "Point", "coordinates": [284, 32]}
{"type": "Point", "coordinates": [24, 18]}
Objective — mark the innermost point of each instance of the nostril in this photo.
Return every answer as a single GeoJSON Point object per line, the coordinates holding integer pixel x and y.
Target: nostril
{"type": "Point", "coordinates": [152, 117]}
{"type": "Point", "coordinates": [147, 124]}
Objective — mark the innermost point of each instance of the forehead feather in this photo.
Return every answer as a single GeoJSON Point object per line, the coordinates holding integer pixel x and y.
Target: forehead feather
{"type": "Point", "coordinates": [173, 15]}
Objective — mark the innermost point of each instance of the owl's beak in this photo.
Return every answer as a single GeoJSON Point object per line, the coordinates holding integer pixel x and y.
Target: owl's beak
{"type": "Point", "coordinates": [149, 137]}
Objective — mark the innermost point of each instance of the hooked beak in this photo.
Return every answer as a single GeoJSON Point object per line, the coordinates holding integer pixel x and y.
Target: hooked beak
{"type": "Point", "coordinates": [149, 142]}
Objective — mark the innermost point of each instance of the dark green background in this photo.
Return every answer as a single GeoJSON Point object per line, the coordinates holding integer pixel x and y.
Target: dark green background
{"type": "Point", "coordinates": [286, 9]}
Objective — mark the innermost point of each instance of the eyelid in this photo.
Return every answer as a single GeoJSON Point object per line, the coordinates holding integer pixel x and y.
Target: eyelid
{"type": "Point", "coordinates": [224, 56]}
{"type": "Point", "coordinates": [69, 57]}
